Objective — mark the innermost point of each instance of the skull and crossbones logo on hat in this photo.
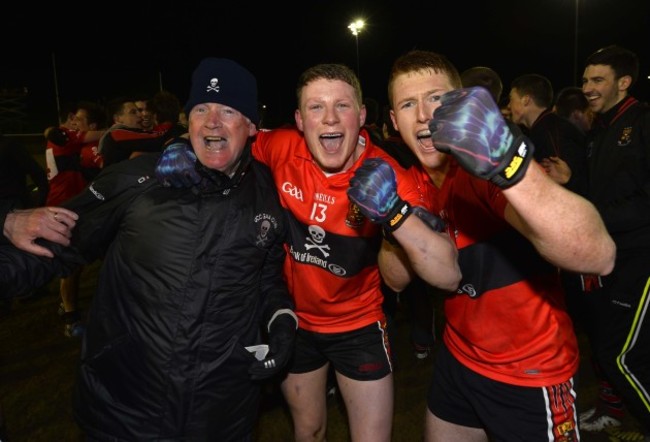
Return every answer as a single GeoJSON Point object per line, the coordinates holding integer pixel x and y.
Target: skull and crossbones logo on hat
{"type": "Point", "coordinates": [213, 86]}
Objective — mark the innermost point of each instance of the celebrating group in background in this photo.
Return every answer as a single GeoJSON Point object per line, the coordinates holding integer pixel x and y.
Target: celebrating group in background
{"type": "Point", "coordinates": [233, 256]}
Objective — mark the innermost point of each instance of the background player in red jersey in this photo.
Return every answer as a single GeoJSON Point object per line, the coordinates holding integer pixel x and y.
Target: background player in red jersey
{"type": "Point", "coordinates": [73, 161]}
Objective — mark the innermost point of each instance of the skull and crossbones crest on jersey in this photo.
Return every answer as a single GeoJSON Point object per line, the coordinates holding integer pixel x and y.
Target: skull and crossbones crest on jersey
{"type": "Point", "coordinates": [315, 240]}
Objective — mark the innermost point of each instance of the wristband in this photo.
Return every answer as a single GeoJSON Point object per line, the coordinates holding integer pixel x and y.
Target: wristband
{"type": "Point", "coordinates": [516, 166]}
{"type": "Point", "coordinates": [398, 215]}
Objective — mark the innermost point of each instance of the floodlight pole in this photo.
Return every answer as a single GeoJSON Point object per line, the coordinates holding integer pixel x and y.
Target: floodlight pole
{"type": "Point", "coordinates": [356, 37]}
{"type": "Point", "coordinates": [575, 44]}
{"type": "Point", "coordinates": [355, 27]}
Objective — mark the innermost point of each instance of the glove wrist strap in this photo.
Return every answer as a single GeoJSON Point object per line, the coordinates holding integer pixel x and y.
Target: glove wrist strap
{"type": "Point", "coordinates": [429, 219]}
{"type": "Point", "coordinates": [514, 168]}
{"type": "Point", "coordinates": [397, 216]}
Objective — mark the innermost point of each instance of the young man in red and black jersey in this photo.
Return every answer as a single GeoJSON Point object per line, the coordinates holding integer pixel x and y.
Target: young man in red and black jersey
{"type": "Point", "coordinates": [505, 370]}
{"type": "Point", "coordinates": [333, 253]}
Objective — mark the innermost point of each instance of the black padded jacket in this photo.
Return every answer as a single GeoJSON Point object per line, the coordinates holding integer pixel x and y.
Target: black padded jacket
{"type": "Point", "coordinates": [189, 278]}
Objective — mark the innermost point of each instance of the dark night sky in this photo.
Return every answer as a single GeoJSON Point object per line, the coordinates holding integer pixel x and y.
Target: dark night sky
{"type": "Point", "coordinates": [130, 49]}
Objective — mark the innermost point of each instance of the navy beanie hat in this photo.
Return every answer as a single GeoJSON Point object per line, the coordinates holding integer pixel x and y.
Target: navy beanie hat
{"type": "Point", "coordinates": [223, 81]}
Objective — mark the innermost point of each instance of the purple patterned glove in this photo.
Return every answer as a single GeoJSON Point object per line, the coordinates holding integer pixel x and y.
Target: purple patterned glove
{"type": "Point", "coordinates": [469, 126]}
{"type": "Point", "coordinates": [373, 189]}
{"type": "Point", "coordinates": [177, 166]}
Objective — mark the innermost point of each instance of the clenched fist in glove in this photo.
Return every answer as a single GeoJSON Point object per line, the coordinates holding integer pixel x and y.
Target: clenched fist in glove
{"type": "Point", "coordinates": [469, 126]}
{"type": "Point", "coordinates": [177, 166]}
{"type": "Point", "coordinates": [374, 189]}
{"type": "Point", "coordinates": [57, 136]}
{"type": "Point", "coordinates": [282, 335]}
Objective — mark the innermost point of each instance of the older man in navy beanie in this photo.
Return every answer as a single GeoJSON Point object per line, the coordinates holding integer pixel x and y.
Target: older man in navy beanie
{"type": "Point", "coordinates": [221, 90]}
{"type": "Point", "coordinates": [191, 310]}
{"type": "Point", "coordinates": [223, 81]}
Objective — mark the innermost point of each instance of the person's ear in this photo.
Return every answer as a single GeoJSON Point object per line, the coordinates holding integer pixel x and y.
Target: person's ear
{"type": "Point", "coordinates": [298, 117]}
{"type": "Point", "coordinates": [624, 82]}
{"type": "Point", "coordinates": [393, 120]}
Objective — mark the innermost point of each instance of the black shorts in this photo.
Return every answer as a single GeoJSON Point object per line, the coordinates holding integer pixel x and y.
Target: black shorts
{"type": "Point", "coordinates": [506, 412]}
{"type": "Point", "coordinates": [362, 354]}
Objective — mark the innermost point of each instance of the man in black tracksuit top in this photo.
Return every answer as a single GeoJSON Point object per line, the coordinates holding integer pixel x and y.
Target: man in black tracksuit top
{"type": "Point", "coordinates": [555, 139]}
{"type": "Point", "coordinates": [618, 151]}
{"type": "Point", "coordinates": [191, 276]}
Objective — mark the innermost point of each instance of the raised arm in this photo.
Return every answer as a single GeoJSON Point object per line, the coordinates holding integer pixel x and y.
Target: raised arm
{"type": "Point", "coordinates": [565, 228]}
{"type": "Point", "coordinates": [374, 190]}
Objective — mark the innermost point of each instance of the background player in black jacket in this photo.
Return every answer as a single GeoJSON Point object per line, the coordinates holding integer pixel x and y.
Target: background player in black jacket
{"type": "Point", "coordinates": [618, 151]}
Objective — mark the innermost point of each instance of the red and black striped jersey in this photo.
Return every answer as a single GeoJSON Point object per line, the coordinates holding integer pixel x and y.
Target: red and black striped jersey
{"type": "Point", "coordinates": [331, 267]}
{"type": "Point", "coordinates": [508, 320]}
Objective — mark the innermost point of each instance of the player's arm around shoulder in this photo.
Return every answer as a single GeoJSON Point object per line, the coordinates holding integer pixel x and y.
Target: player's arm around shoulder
{"type": "Point", "coordinates": [275, 146]}
{"type": "Point", "coordinates": [565, 228]}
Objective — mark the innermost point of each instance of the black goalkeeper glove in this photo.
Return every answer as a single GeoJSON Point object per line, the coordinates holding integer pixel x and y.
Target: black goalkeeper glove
{"type": "Point", "coordinates": [57, 136]}
{"type": "Point", "coordinates": [373, 188]}
{"type": "Point", "coordinates": [282, 335]}
{"type": "Point", "coordinates": [176, 166]}
{"type": "Point", "coordinates": [469, 125]}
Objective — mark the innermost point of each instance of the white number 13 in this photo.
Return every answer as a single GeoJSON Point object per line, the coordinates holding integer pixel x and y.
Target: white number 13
{"type": "Point", "coordinates": [318, 212]}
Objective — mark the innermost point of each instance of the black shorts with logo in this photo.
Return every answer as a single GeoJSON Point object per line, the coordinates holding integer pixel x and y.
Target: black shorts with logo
{"type": "Point", "coordinates": [363, 354]}
{"type": "Point", "coordinates": [506, 412]}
